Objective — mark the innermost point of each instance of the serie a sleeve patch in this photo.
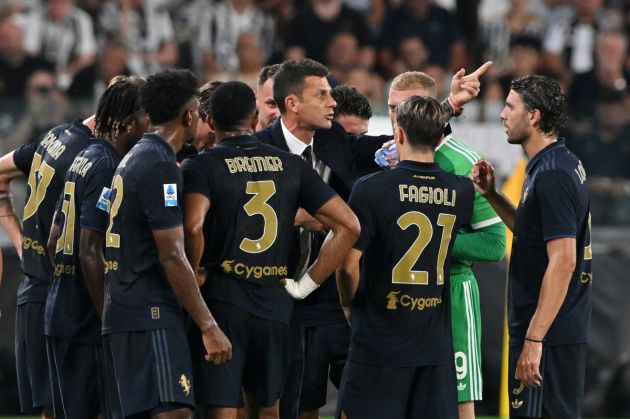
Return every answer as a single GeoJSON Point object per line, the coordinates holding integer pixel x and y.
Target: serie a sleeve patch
{"type": "Point", "coordinates": [103, 200]}
{"type": "Point", "coordinates": [170, 195]}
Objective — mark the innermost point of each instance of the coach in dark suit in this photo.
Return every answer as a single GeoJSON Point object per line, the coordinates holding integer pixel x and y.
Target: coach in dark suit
{"type": "Point", "coordinates": [305, 127]}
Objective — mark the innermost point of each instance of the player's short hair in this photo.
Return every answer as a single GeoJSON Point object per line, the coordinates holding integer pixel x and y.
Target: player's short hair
{"type": "Point", "coordinates": [233, 104]}
{"type": "Point", "coordinates": [267, 72]}
{"type": "Point", "coordinates": [411, 80]}
{"type": "Point", "coordinates": [422, 119]}
{"type": "Point", "coordinates": [543, 93]}
{"type": "Point", "coordinates": [351, 102]}
{"type": "Point", "coordinates": [165, 94]}
{"type": "Point", "coordinates": [119, 103]}
{"type": "Point", "coordinates": [204, 94]}
{"type": "Point", "coordinates": [290, 79]}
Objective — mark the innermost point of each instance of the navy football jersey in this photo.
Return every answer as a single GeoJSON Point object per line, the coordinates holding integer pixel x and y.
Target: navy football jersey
{"type": "Point", "coordinates": [144, 197]}
{"type": "Point", "coordinates": [70, 313]}
{"type": "Point", "coordinates": [254, 191]}
{"type": "Point", "coordinates": [554, 204]}
{"type": "Point", "coordinates": [409, 220]}
{"type": "Point", "coordinates": [23, 155]}
{"type": "Point", "coordinates": [51, 159]}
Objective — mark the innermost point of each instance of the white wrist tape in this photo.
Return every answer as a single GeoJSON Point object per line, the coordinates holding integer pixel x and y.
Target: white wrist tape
{"type": "Point", "coordinates": [302, 288]}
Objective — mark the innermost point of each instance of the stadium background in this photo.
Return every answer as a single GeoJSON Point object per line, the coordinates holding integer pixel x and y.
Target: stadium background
{"type": "Point", "coordinates": [40, 86]}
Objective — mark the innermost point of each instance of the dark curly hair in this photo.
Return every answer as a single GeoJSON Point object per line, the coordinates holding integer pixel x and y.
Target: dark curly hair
{"type": "Point", "coordinates": [165, 94]}
{"type": "Point", "coordinates": [289, 80]}
{"type": "Point", "coordinates": [117, 105]}
{"type": "Point", "coordinates": [233, 103]}
{"type": "Point", "coordinates": [543, 93]}
{"type": "Point", "coordinates": [351, 102]}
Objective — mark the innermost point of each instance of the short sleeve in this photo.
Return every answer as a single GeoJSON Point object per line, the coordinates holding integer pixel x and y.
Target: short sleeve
{"type": "Point", "coordinates": [360, 204]}
{"type": "Point", "coordinates": [159, 193]}
{"type": "Point", "coordinates": [23, 157]}
{"type": "Point", "coordinates": [315, 192]}
{"type": "Point", "coordinates": [196, 177]}
{"type": "Point", "coordinates": [556, 196]}
{"type": "Point", "coordinates": [94, 215]}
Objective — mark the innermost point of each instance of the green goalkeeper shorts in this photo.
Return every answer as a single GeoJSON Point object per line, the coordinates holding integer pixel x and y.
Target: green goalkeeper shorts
{"type": "Point", "coordinates": [466, 319]}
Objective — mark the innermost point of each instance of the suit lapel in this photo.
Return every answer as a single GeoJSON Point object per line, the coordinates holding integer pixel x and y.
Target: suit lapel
{"type": "Point", "coordinates": [277, 136]}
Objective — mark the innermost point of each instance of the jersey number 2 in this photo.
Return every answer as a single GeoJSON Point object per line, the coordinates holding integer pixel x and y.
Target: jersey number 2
{"type": "Point", "coordinates": [402, 273]}
{"type": "Point", "coordinates": [113, 239]}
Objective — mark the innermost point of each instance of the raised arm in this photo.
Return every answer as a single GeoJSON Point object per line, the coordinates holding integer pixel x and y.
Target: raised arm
{"type": "Point", "coordinates": [484, 180]}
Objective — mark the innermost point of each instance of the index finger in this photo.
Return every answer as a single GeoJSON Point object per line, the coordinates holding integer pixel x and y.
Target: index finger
{"type": "Point", "coordinates": [481, 70]}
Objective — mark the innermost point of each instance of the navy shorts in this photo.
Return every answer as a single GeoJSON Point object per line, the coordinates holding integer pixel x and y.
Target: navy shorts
{"type": "Point", "coordinates": [290, 399]}
{"type": "Point", "coordinates": [75, 366]}
{"type": "Point", "coordinates": [561, 391]}
{"type": "Point", "coordinates": [259, 360]}
{"type": "Point", "coordinates": [377, 392]}
{"type": "Point", "coordinates": [30, 358]}
{"type": "Point", "coordinates": [325, 353]}
{"type": "Point", "coordinates": [150, 369]}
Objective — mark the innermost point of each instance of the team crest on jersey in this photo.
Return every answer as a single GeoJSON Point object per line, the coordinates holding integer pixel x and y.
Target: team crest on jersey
{"type": "Point", "coordinates": [392, 300]}
{"type": "Point", "coordinates": [185, 383]}
{"type": "Point", "coordinates": [103, 200]}
{"type": "Point", "coordinates": [170, 195]}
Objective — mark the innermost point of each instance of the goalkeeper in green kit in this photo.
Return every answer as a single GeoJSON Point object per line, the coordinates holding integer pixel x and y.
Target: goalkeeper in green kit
{"type": "Point", "coordinates": [483, 240]}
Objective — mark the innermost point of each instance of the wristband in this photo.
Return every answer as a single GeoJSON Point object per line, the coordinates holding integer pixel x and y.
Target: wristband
{"type": "Point", "coordinates": [534, 340]}
{"type": "Point", "coordinates": [448, 108]}
{"type": "Point", "coordinates": [458, 108]}
{"type": "Point", "coordinates": [300, 289]}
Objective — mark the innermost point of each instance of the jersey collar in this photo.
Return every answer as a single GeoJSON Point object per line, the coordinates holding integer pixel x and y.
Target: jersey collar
{"type": "Point", "coordinates": [238, 140]}
{"type": "Point", "coordinates": [417, 166]}
{"type": "Point", "coordinates": [534, 161]}
{"type": "Point", "coordinates": [154, 138]}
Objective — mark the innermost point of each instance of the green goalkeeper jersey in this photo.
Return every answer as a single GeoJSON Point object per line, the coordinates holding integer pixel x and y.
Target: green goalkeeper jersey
{"type": "Point", "coordinates": [455, 157]}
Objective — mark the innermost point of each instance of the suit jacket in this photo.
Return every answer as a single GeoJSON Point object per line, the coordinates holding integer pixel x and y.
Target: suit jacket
{"type": "Point", "coordinates": [341, 153]}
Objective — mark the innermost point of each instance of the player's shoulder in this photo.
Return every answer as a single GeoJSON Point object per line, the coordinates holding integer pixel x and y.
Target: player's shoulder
{"type": "Point", "coordinates": [102, 152]}
{"type": "Point", "coordinates": [454, 156]}
{"type": "Point", "coordinates": [560, 163]}
{"type": "Point", "coordinates": [150, 155]}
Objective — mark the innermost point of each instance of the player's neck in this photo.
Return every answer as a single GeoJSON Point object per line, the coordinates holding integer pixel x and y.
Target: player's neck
{"type": "Point", "coordinates": [536, 143]}
{"type": "Point", "coordinates": [417, 155]}
{"type": "Point", "coordinates": [173, 135]}
{"type": "Point", "coordinates": [298, 130]}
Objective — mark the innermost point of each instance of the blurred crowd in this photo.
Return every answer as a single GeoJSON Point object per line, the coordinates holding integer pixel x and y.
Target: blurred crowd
{"type": "Point", "coordinates": [57, 56]}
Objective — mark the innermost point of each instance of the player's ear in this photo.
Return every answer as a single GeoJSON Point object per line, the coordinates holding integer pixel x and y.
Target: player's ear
{"type": "Point", "coordinates": [290, 102]}
{"type": "Point", "coordinates": [534, 117]}
{"type": "Point", "coordinates": [187, 117]}
{"type": "Point", "coordinates": [254, 122]}
{"type": "Point", "coordinates": [210, 121]}
{"type": "Point", "coordinates": [400, 136]}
